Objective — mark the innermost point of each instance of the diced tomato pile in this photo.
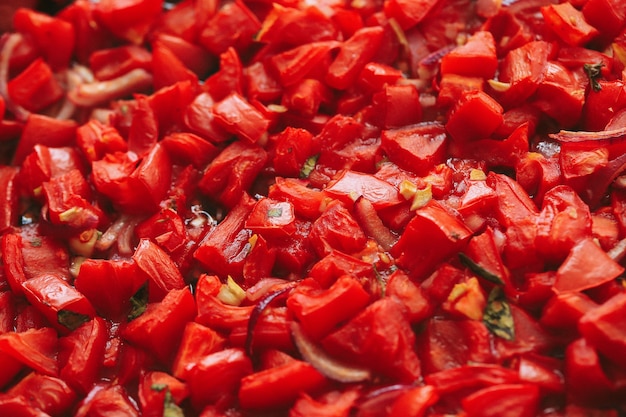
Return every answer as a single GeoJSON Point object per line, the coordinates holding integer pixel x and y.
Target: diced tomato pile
{"type": "Point", "coordinates": [314, 208]}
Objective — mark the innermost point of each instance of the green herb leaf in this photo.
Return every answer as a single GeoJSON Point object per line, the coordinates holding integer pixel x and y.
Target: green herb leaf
{"type": "Point", "coordinates": [36, 242]}
{"type": "Point", "coordinates": [275, 212]}
{"type": "Point", "coordinates": [71, 319]}
{"type": "Point", "coordinates": [309, 166]}
{"type": "Point", "coordinates": [497, 315]}
{"type": "Point", "coordinates": [170, 408]}
{"type": "Point", "coordinates": [479, 270]}
{"type": "Point", "coordinates": [138, 303]}
{"type": "Point", "coordinates": [594, 72]}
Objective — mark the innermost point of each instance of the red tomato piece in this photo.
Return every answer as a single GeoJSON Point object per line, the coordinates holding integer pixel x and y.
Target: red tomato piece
{"type": "Point", "coordinates": [475, 116]}
{"type": "Point", "coordinates": [279, 386]}
{"type": "Point", "coordinates": [96, 139]}
{"type": "Point", "coordinates": [412, 296]}
{"type": "Point", "coordinates": [159, 391]}
{"type": "Point", "coordinates": [408, 13]}
{"type": "Point", "coordinates": [58, 301]}
{"type": "Point", "coordinates": [234, 25]}
{"type": "Point", "coordinates": [415, 402]}
{"type": "Point", "coordinates": [197, 342]}
{"type": "Point", "coordinates": [608, 16]}
{"type": "Point", "coordinates": [321, 310]}
{"type": "Point", "coordinates": [295, 64]}
{"type": "Point", "coordinates": [238, 116]}
{"type": "Point", "coordinates": [337, 229]}
{"type": "Point", "coordinates": [163, 275]}
{"type": "Point", "coordinates": [503, 400]}
{"type": "Point", "coordinates": [35, 348]}
{"type": "Point", "coordinates": [602, 328]}
{"type": "Point", "coordinates": [447, 235]}
{"type": "Point", "coordinates": [447, 344]}
{"type": "Point", "coordinates": [271, 218]}
{"type": "Point", "coordinates": [111, 63]}
{"type": "Point", "coordinates": [35, 88]}
{"type": "Point", "coordinates": [81, 354]}
{"type": "Point", "coordinates": [335, 264]}
{"type": "Point", "coordinates": [109, 284]}
{"type": "Point", "coordinates": [349, 185]}
{"type": "Point", "coordinates": [217, 376]}
{"type": "Point", "coordinates": [388, 348]}
{"type": "Point", "coordinates": [585, 378]}
{"type": "Point", "coordinates": [293, 26]}
{"type": "Point", "coordinates": [475, 58]}
{"type": "Point", "coordinates": [160, 327]}
{"type": "Point", "coordinates": [55, 38]}
{"type": "Point", "coordinates": [107, 398]}
{"type": "Point", "coordinates": [49, 394]}
{"type": "Point", "coordinates": [137, 188]}
{"type": "Point", "coordinates": [8, 194]}
{"type": "Point", "coordinates": [353, 54]}
{"type": "Point", "coordinates": [228, 177]}
{"type": "Point", "coordinates": [44, 131]}
{"type": "Point", "coordinates": [167, 67]}
{"type": "Point", "coordinates": [415, 148]}
{"type": "Point", "coordinates": [128, 20]}
{"type": "Point", "coordinates": [194, 57]}
{"type": "Point", "coordinates": [578, 272]}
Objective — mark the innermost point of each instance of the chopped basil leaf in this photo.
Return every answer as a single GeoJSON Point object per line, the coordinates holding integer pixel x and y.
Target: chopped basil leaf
{"type": "Point", "coordinates": [309, 166]}
{"type": "Point", "coordinates": [158, 387]}
{"type": "Point", "coordinates": [71, 319]}
{"type": "Point", "coordinates": [479, 270]}
{"type": "Point", "coordinates": [138, 303]}
{"type": "Point", "coordinates": [594, 72]}
{"type": "Point", "coordinates": [497, 315]}
{"type": "Point", "coordinates": [170, 408]}
{"type": "Point", "coordinates": [275, 212]}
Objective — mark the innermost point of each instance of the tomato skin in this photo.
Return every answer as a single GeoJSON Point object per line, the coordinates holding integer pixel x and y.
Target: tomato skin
{"type": "Point", "coordinates": [113, 62]}
{"type": "Point", "coordinates": [353, 54]}
{"type": "Point", "coordinates": [135, 190]}
{"type": "Point", "coordinates": [82, 352]}
{"type": "Point", "coordinates": [217, 376]}
{"type": "Point", "coordinates": [447, 235]}
{"type": "Point", "coordinates": [503, 400]}
{"type": "Point", "coordinates": [35, 88]}
{"type": "Point", "coordinates": [320, 311]}
{"type": "Point", "coordinates": [49, 394]}
{"type": "Point", "coordinates": [329, 231]}
{"type": "Point", "coordinates": [260, 390]}
{"type": "Point", "coordinates": [52, 295]}
{"type": "Point", "coordinates": [415, 148]}
{"type": "Point", "coordinates": [160, 327]}
{"type": "Point", "coordinates": [602, 328]}
{"type": "Point", "coordinates": [128, 20]}
{"type": "Point", "coordinates": [44, 131]}
{"type": "Point", "coordinates": [55, 38]}
{"type": "Point", "coordinates": [476, 116]}
{"type": "Point", "coordinates": [232, 26]}
{"type": "Point", "coordinates": [105, 399]}
{"type": "Point", "coordinates": [394, 358]}
{"type": "Point", "coordinates": [154, 388]}
{"type": "Point", "coordinates": [197, 342]}
{"type": "Point", "coordinates": [98, 277]}
{"type": "Point", "coordinates": [476, 58]}
{"type": "Point", "coordinates": [34, 348]}
{"type": "Point", "coordinates": [163, 275]}
{"type": "Point", "coordinates": [415, 402]}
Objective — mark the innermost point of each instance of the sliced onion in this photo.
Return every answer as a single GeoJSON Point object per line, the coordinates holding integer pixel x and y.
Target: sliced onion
{"type": "Point", "coordinates": [100, 92]}
{"type": "Point", "coordinates": [9, 45]}
{"type": "Point", "coordinates": [258, 310]}
{"type": "Point", "coordinates": [324, 363]}
{"type": "Point", "coordinates": [120, 232]}
{"type": "Point", "coordinates": [372, 225]}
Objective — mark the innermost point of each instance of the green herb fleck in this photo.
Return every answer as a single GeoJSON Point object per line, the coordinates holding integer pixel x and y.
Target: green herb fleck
{"type": "Point", "coordinates": [497, 315]}
{"type": "Point", "coordinates": [275, 212]}
{"type": "Point", "coordinates": [309, 166]}
{"type": "Point", "coordinates": [381, 281]}
{"type": "Point", "coordinates": [158, 387]}
{"type": "Point", "coordinates": [36, 242]}
{"type": "Point", "coordinates": [594, 72]}
{"type": "Point", "coordinates": [138, 303]}
{"type": "Point", "coordinates": [71, 319]}
{"type": "Point", "coordinates": [479, 270]}
{"type": "Point", "coordinates": [170, 408]}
